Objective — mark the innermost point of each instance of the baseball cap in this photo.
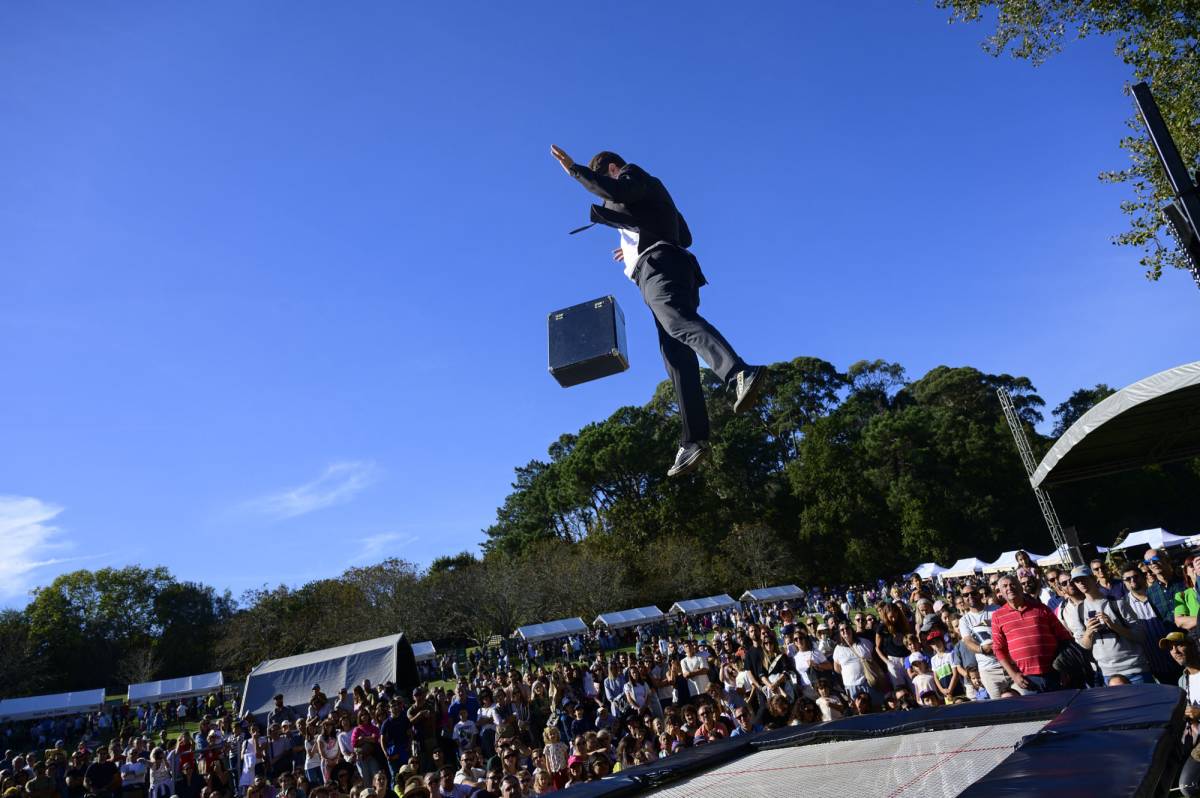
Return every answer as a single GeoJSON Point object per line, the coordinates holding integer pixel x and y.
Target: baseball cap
{"type": "Point", "coordinates": [1080, 571]}
{"type": "Point", "coordinates": [316, 687]}
{"type": "Point", "coordinates": [937, 605]}
{"type": "Point", "coordinates": [934, 634]}
{"type": "Point", "coordinates": [917, 657]}
{"type": "Point", "coordinates": [1172, 639]}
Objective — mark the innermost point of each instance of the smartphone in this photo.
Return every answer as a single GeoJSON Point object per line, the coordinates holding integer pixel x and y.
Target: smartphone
{"type": "Point", "coordinates": [1091, 614]}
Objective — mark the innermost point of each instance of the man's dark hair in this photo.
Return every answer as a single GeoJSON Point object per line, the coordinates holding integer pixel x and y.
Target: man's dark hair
{"type": "Point", "coordinates": [601, 160]}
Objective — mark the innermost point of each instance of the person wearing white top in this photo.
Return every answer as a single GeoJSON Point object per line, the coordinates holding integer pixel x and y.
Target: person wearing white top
{"type": "Point", "coordinates": [695, 669]}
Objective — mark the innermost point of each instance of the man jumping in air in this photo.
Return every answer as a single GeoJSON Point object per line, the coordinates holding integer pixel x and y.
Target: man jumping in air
{"type": "Point", "coordinates": [654, 242]}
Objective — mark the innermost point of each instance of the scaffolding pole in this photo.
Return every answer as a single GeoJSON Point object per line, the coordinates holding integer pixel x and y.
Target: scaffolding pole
{"type": "Point", "coordinates": [1065, 549]}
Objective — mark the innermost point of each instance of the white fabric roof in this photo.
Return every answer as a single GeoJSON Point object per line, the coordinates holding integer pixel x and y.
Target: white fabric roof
{"type": "Point", "coordinates": [332, 668]}
{"type": "Point", "coordinates": [424, 651]}
{"type": "Point", "coordinates": [927, 570]}
{"type": "Point", "coordinates": [47, 706]}
{"type": "Point", "coordinates": [1008, 561]}
{"type": "Point", "coordinates": [965, 567]}
{"type": "Point", "coordinates": [564, 627]}
{"type": "Point", "coordinates": [768, 594]}
{"type": "Point", "coordinates": [619, 620]}
{"type": "Point", "coordinates": [1151, 421]}
{"type": "Point", "coordinates": [701, 605]}
{"type": "Point", "coordinates": [149, 692]}
{"type": "Point", "coordinates": [1151, 539]}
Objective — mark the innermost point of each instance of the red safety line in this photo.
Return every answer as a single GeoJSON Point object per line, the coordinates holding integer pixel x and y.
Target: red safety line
{"type": "Point", "coordinates": [939, 763]}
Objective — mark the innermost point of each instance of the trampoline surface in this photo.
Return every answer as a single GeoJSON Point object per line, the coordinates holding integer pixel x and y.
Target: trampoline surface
{"type": "Point", "coordinates": [937, 764]}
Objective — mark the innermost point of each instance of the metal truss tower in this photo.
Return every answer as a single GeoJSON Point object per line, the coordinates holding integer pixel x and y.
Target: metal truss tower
{"type": "Point", "coordinates": [1061, 543]}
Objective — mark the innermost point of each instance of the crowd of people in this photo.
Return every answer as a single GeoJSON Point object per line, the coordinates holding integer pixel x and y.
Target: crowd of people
{"type": "Point", "coordinates": [527, 721]}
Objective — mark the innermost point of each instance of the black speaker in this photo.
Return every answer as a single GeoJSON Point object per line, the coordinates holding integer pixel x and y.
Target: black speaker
{"type": "Point", "coordinates": [587, 341]}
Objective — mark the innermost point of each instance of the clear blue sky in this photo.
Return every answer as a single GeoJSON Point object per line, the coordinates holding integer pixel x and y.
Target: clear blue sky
{"type": "Point", "coordinates": [274, 276]}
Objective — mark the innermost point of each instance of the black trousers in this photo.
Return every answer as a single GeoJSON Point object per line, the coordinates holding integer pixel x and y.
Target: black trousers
{"type": "Point", "coordinates": [669, 278]}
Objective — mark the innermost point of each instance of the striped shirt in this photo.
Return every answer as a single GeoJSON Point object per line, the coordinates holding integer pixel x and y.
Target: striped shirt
{"type": "Point", "coordinates": [1028, 638]}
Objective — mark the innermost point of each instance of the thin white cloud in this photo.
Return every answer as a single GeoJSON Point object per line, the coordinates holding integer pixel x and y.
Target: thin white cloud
{"type": "Point", "coordinates": [340, 483]}
{"type": "Point", "coordinates": [375, 547]}
{"type": "Point", "coordinates": [29, 541]}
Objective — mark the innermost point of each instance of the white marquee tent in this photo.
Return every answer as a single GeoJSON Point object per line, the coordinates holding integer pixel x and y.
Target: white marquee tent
{"type": "Point", "coordinates": [967, 566]}
{"type": "Point", "coordinates": [565, 627]}
{"type": "Point", "coordinates": [703, 605]}
{"type": "Point", "coordinates": [424, 651]}
{"type": "Point", "coordinates": [1151, 539]}
{"type": "Point", "coordinates": [927, 570]}
{"type": "Point", "coordinates": [765, 595]}
{"type": "Point", "coordinates": [1008, 561]}
{"type": "Point", "coordinates": [183, 687]}
{"type": "Point", "coordinates": [624, 618]}
{"type": "Point", "coordinates": [47, 706]}
{"type": "Point", "coordinates": [332, 668]}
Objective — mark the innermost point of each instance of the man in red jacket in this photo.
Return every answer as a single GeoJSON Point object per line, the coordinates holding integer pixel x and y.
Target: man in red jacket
{"type": "Point", "coordinates": [1025, 639]}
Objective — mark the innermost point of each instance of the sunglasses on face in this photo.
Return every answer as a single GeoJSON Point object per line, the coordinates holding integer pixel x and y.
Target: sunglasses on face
{"type": "Point", "coordinates": [1132, 578]}
{"type": "Point", "coordinates": [1151, 560]}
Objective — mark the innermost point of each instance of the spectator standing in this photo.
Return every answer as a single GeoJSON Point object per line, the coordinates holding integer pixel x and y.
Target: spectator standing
{"type": "Point", "coordinates": [1152, 627]}
{"type": "Point", "coordinates": [1110, 633]}
{"type": "Point", "coordinates": [1187, 608]}
{"type": "Point", "coordinates": [1108, 585]}
{"type": "Point", "coordinates": [394, 737]}
{"type": "Point", "coordinates": [889, 642]}
{"type": "Point", "coordinates": [280, 713]}
{"type": "Point", "coordinates": [1025, 639]}
{"type": "Point", "coordinates": [695, 670]}
{"type": "Point", "coordinates": [975, 629]}
{"type": "Point", "coordinates": [848, 660]}
{"type": "Point", "coordinates": [1165, 585]}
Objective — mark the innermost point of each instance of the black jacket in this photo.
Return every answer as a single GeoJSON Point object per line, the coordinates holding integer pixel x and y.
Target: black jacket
{"type": "Point", "coordinates": [636, 200]}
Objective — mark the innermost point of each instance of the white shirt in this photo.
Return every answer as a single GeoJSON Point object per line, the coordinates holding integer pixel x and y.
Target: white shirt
{"type": "Point", "coordinates": [977, 625]}
{"type": "Point", "coordinates": [629, 250]}
{"type": "Point", "coordinates": [697, 685]}
{"type": "Point", "coordinates": [851, 661]}
{"type": "Point", "coordinates": [804, 660]}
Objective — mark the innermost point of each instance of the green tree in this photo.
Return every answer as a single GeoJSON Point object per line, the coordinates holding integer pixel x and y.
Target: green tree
{"type": "Point", "coordinates": [1078, 403]}
{"type": "Point", "coordinates": [1158, 40]}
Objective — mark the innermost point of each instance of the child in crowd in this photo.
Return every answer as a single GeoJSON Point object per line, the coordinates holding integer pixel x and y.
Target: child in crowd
{"type": "Point", "coordinates": [555, 753]}
{"type": "Point", "coordinates": [942, 664]}
{"type": "Point", "coordinates": [923, 681]}
{"type": "Point", "coordinates": [981, 693]}
{"type": "Point", "coordinates": [829, 702]}
{"type": "Point", "coordinates": [465, 731]}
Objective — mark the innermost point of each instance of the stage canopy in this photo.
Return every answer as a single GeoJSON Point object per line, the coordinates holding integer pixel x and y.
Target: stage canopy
{"type": "Point", "coordinates": [1156, 420]}
{"type": "Point", "coordinates": [619, 620]}
{"type": "Point", "coordinates": [550, 630]}
{"type": "Point", "coordinates": [48, 706]}
{"type": "Point", "coordinates": [1008, 561]}
{"type": "Point", "coordinates": [965, 567]}
{"type": "Point", "coordinates": [1150, 539]}
{"type": "Point", "coordinates": [424, 651]}
{"type": "Point", "coordinates": [183, 687]}
{"type": "Point", "coordinates": [332, 668]}
{"type": "Point", "coordinates": [927, 570]}
{"type": "Point", "coordinates": [702, 605]}
{"type": "Point", "coordinates": [766, 595]}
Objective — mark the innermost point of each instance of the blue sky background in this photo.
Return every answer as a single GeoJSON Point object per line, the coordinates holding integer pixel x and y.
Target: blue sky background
{"type": "Point", "coordinates": [274, 276]}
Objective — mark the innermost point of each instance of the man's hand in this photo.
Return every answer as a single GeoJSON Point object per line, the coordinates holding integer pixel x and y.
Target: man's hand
{"type": "Point", "coordinates": [561, 156]}
{"type": "Point", "coordinates": [1020, 681]}
{"type": "Point", "coordinates": [619, 255]}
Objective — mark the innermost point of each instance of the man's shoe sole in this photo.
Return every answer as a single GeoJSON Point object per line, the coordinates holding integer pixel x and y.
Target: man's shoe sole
{"type": "Point", "coordinates": [689, 465]}
{"type": "Point", "coordinates": [751, 397]}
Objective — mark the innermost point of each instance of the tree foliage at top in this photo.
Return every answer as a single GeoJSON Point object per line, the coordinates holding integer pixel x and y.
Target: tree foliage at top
{"type": "Point", "coordinates": [1159, 40]}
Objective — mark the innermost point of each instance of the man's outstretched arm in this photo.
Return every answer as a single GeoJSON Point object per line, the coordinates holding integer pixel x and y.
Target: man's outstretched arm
{"type": "Point", "coordinates": [624, 189]}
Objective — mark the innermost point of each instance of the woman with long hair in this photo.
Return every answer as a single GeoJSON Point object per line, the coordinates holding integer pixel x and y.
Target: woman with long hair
{"type": "Point", "coordinates": [330, 753]}
{"type": "Point", "coordinates": [889, 643]}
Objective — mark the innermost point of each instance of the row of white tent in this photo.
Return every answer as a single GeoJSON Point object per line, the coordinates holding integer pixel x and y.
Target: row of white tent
{"type": "Point", "coordinates": [49, 706]}
{"type": "Point", "coordinates": [1145, 539]}
{"type": "Point", "coordinates": [565, 627]}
